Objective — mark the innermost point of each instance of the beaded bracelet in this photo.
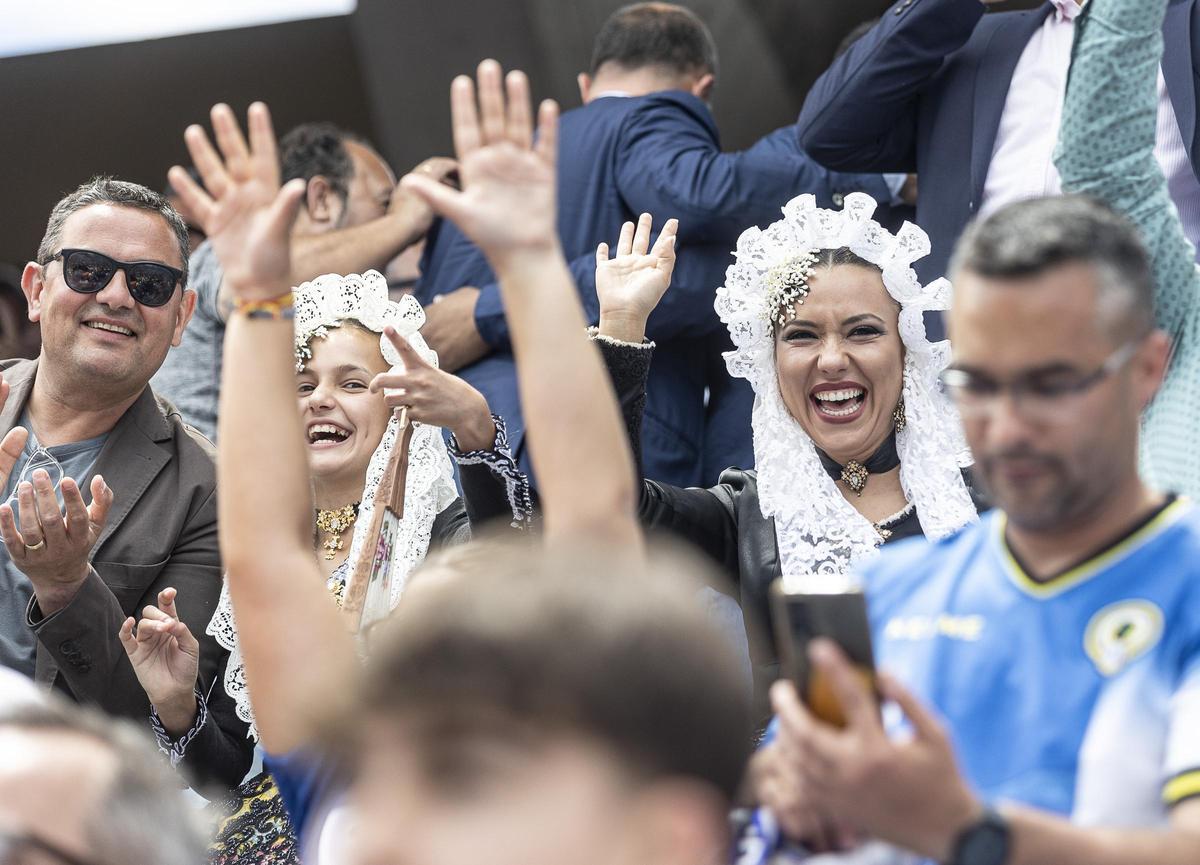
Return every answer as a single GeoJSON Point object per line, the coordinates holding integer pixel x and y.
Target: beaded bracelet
{"type": "Point", "coordinates": [274, 308]}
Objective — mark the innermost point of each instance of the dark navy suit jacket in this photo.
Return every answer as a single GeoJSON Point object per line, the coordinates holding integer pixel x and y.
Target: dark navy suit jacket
{"type": "Point", "coordinates": [924, 91]}
{"type": "Point", "coordinates": [619, 157]}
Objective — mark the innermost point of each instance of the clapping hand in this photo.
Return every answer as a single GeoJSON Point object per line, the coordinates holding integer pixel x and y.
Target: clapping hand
{"type": "Point", "coordinates": [437, 398]}
{"type": "Point", "coordinates": [507, 203]}
{"type": "Point", "coordinates": [50, 548]}
{"type": "Point", "coordinates": [630, 285]}
{"type": "Point", "coordinates": [166, 658]}
{"type": "Point", "coordinates": [245, 213]}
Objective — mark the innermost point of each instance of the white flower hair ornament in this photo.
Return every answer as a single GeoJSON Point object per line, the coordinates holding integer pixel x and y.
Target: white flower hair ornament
{"type": "Point", "coordinates": [322, 305]}
{"type": "Point", "coordinates": [820, 533]}
{"type": "Point", "coordinates": [330, 300]}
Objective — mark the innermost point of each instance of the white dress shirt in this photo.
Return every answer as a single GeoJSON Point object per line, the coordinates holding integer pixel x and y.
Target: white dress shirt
{"type": "Point", "coordinates": [1022, 163]}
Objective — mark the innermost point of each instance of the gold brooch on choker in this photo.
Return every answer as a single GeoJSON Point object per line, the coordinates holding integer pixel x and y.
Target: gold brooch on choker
{"type": "Point", "coordinates": [855, 476]}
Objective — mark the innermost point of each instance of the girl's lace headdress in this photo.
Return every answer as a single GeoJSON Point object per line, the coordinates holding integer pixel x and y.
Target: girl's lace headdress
{"type": "Point", "coordinates": [321, 305]}
{"type": "Point", "coordinates": [820, 533]}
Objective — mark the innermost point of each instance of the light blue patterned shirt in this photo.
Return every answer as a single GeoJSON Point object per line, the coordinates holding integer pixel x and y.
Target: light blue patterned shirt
{"type": "Point", "coordinates": [1106, 150]}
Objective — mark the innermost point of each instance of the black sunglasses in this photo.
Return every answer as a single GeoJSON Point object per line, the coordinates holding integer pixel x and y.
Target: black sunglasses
{"type": "Point", "coordinates": [87, 272]}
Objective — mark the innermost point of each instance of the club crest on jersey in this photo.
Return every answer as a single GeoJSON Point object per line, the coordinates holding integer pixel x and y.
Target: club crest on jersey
{"type": "Point", "coordinates": [1121, 633]}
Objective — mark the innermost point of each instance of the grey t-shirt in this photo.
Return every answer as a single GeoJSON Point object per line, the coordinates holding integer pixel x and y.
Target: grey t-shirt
{"type": "Point", "coordinates": [191, 375]}
{"type": "Point", "coordinates": [18, 645]}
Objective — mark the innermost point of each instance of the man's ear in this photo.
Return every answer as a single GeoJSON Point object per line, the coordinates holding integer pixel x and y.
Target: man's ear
{"type": "Point", "coordinates": [33, 283]}
{"type": "Point", "coordinates": [322, 205]}
{"type": "Point", "coordinates": [1152, 363]}
{"type": "Point", "coordinates": [184, 315]}
{"type": "Point", "coordinates": [585, 86]}
{"type": "Point", "coordinates": [703, 87]}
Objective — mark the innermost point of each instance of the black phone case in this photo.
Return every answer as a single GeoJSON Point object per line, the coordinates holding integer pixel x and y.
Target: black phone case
{"type": "Point", "coordinates": [799, 618]}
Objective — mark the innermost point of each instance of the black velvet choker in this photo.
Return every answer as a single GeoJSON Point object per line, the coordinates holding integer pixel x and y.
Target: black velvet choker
{"type": "Point", "coordinates": [855, 474]}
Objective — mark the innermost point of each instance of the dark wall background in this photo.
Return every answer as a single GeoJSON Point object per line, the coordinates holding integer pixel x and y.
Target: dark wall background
{"type": "Point", "coordinates": [383, 71]}
{"type": "Point", "coordinates": [122, 109]}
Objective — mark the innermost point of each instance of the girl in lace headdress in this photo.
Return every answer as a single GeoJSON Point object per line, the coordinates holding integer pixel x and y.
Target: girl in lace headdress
{"type": "Point", "coordinates": [358, 356]}
{"type": "Point", "coordinates": [855, 444]}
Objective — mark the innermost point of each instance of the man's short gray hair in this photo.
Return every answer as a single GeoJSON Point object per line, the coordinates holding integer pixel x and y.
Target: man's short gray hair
{"type": "Point", "coordinates": [108, 190]}
{"type": "Point", "coordinates": [143, 818]}
{"type": "Point", "coordinates": [1028, 238]}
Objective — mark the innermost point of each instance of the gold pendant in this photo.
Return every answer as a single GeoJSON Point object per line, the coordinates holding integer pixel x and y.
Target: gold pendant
{"type": "Point", "coordinates": [334, 523]}
{"type": "Point", "coordinates": [855, 475]}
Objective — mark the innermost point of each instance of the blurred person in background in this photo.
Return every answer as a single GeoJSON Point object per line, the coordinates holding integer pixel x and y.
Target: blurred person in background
{"type": "Point", "coordinates": [644, 141]}
{"type": "Point", "coordinates": [19, 337]}
{"type": "Point", "coordinates": [970, 100]}
{"type": "Point", "coordinates": [354, 219]}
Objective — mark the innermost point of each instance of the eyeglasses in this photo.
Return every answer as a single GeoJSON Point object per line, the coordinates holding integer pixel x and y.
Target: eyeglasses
{"type": "Point", "coordinates": [87, 272]}
{"type": "Point", "coordinates": [39, 459]}
{"type": "Point", "coordinates": [14, 847]}
{"type": "Point", "coordinates": [1039, 394]}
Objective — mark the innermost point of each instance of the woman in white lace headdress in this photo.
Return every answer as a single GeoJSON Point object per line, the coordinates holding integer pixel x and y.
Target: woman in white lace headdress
{"type": "Point", "coordinates": [359, 355]}
{"type": "Point", "coordinates": [855, 444]}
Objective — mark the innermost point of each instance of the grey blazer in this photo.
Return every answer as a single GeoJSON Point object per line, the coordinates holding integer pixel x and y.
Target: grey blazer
{"type": "Point", "coordinates": [161, 531]}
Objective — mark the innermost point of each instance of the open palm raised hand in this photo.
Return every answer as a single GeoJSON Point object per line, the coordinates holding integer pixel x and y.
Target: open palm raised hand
{"type": "Point", "coordinates": [245, 213]}
{"type": "Point", "coordinates": [630, 284]}
{"type": "Point", "coordinates": [507, 203]}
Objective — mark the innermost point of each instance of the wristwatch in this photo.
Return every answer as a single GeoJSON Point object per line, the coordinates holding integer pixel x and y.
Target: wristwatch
{"type": "Point", "coordinates": [987, 841]}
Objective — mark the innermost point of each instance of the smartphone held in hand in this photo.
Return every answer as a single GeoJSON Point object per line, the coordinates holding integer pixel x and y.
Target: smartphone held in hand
{"type": "Point", "coordinates": [800, 618]}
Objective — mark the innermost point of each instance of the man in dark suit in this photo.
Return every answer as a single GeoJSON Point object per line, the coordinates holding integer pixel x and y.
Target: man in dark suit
{"type": "Point", "coordinates": [108, 289]}
{"type": "Point", "coordinates": [970, 102]}
{"type": "Point", "coordinates": [644, 141]}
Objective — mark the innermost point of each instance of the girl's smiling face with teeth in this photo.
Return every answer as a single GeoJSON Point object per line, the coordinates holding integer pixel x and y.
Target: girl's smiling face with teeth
{"type": "Point", "coordinates": [343, 421]}
{"type": "Point", "coordinates": [840, 361]}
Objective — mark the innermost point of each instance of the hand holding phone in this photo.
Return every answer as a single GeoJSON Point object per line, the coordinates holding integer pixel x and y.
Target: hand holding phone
{"type": "Point", "coordinates": [801, 618]}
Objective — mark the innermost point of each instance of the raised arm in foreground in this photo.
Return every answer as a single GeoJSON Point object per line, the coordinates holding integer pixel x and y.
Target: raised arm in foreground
{"type": "Point", "coordinates": [293, 641]}
{"type": "Point", "coordinates": [1106, 150]}
{"type": "Point", "coordinates": [507, 208]}
{"type": "Point", "coordinates": [1106, 143]}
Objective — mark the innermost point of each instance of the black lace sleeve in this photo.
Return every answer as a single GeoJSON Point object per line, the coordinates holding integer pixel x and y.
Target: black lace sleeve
{"type": "Point", "coordinates": [493, 486]}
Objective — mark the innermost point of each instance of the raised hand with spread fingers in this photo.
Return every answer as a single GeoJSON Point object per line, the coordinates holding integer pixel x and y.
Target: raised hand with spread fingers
{"type": "Point", "coordinates": [507, 202]}
{"type": "Point", "coordinates": [245, 213]}
{"type": "Point", "coordinates": [507, 206]}
{"type": "Point", "coordinates": [630, 285]}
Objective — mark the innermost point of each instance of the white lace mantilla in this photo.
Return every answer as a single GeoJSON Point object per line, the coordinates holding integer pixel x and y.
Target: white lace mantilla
{"type": "Point", "coordinates": [321, 305]}
{"type": "Point", "coordinates": [820, 533]}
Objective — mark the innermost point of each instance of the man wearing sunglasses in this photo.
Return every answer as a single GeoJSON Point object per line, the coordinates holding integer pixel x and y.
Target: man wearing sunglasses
{"type": "Point", "coordinates": [81, 422]}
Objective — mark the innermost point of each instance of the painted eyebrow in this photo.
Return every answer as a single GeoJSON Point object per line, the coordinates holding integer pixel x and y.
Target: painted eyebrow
{"type": "Point", "coordinates": [854, 319]}
{"type": "Point", "coordinates": [342, 370]}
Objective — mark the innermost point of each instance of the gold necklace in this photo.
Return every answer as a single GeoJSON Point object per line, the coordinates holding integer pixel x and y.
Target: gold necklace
{"type": "Point", "coordinates": [334, 523]}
